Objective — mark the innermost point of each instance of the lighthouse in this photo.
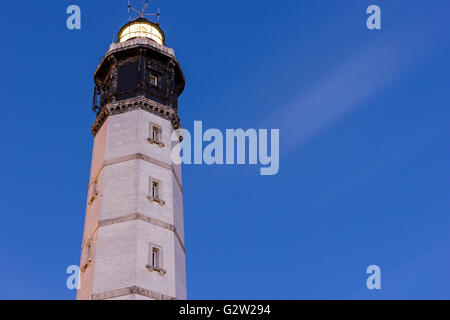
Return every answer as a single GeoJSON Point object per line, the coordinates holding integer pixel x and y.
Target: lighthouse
{"type": "Point", "coordinates": [133, 243]}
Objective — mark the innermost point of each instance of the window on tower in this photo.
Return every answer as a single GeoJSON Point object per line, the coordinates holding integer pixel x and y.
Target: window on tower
{"type": "Point", "coordinates": [156, 135]}
{"type": "Point", "coordinates": [153, 80]}
{"type": "Point", "coordinates": [142, 30]}
{"type": "Point", "coordinates": [155, 259]}
{"type": "Point", "coordinates": [155, 192]}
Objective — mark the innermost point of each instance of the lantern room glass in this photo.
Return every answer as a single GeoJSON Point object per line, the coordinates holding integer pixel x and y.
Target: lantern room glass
{"type": "Point", "coordinates": [143, 30]}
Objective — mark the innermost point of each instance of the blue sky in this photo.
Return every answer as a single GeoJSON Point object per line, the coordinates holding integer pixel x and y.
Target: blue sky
{"type": "Point", "coordinates": [364, 154]}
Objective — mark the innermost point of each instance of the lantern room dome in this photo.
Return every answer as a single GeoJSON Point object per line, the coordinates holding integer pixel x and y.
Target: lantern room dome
{"type": "Point", "coordinates": [141, 28]}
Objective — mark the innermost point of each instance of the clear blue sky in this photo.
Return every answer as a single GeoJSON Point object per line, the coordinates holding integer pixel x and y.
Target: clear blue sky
{"type": "Point", "coordinates": [363, 118]}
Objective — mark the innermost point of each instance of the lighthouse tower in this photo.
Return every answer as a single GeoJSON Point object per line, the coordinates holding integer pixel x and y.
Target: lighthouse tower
{"type": "Point", "coordinates": [133, 243]}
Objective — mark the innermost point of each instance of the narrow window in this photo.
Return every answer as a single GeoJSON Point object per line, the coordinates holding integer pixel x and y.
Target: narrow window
{"type": "Point", "coordinates": [155, 258]}
{"type": "Point", "coordinates": [153, 80]}
{"type": "Point", "coordinates": [156, 133]}
{"type": "Point", "coordinates": [155, 190]}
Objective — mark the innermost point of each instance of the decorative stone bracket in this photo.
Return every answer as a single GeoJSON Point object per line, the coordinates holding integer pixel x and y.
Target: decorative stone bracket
{"type": "Point", "coordinates": [159, 143]}
{"type": "Point", "coordinates": [161, 202]}
{"type": "Point", "coordinates": [152, 268]}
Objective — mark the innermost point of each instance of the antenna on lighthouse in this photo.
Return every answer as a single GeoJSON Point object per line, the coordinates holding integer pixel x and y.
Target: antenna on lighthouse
{"type": "Point", "coordinates": [142, 13]}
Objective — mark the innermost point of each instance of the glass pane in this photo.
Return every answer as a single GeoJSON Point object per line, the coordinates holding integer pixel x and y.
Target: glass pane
{"type": "Point", "coordinates": [141, 30]}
